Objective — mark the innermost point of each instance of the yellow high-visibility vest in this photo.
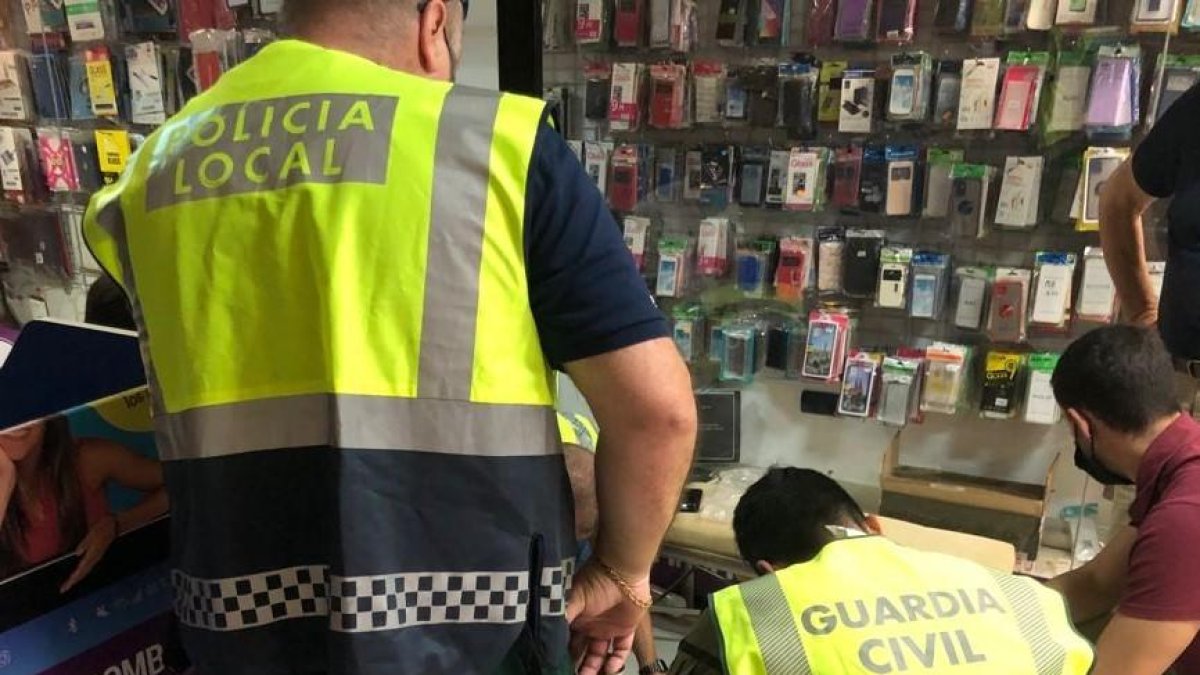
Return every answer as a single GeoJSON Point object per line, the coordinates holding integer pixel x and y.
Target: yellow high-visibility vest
{"type": "Point", "coordinates": [577, 429]}
{"type": "Point", "coordinates": [326, 261]}
{"type": "Point", "coordinates": [866, 606]}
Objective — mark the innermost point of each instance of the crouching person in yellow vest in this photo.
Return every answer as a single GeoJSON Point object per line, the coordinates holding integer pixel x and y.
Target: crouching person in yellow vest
{"type": "Point", "coordinates": [836, 598]}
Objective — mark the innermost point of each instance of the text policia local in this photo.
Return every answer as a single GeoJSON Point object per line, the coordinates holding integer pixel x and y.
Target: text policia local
{"type": "Point", "coordinates": [273, 143]}
{"type": "Point", "coordinates": [909, 649]}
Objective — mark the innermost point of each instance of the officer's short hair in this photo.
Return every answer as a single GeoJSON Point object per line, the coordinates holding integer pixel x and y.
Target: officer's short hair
{"type": "Point", "coordinates": [1123, 375]}
{"type": "Point", "coordinates": [299, 12]}
{"type": "Point", "coordinates": [783, 518]}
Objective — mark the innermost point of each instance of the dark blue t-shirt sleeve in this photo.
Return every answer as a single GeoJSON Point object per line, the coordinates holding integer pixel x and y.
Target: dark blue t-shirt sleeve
{"type": "Point", "coordinates": [587, 297]}
{"type": "Point", "coordinates": [1156, 160]}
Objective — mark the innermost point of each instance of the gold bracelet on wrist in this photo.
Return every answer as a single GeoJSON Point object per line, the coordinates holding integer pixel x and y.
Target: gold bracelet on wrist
{"type": "Point", "coordinates": [626, 589]}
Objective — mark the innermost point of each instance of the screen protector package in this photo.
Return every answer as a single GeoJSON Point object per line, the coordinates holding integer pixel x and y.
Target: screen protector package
{"type": "Point", "coordinates": [1020, 192]}
{"type": "Point", "coordinates": [974, 293]}
{"type": "Point", "coordinates": [708, 87]}
{"type": "Point", "coordinates": [806, 179]}
{"type": "Point", "coordinates": [1040, 405]}
{"type": "Point", "coordinates": [798, 99]}
{"type": "Point", "coordinates": [855, 21]}
{"type": "Point", "coordinates": [977, 98]}
{"type": "Point", "coordinates": [898, 400]}
{"type": "Point", "coordinates": [1002, 377]}
{"type": "Point", "coordinates": [911, 86]}
{"type": "Point", "coordinates": [1097, 292]}
{"type": "Point", "coordinates": [939, 163]}
{"type": "Point", "coordinates": [1053, 292]}
{"type": "Point", "coordinates": [1067, 107]}
{"type": "Point", "coordinates": [930, 285]}
{"type": "Point", "coordinates": [946, 380]}
{"type": "Point", "coordinates": [1114, 106]}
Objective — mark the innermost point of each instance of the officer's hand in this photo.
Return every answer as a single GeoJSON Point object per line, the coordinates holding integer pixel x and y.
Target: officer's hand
{"type": "Point", "coordinates": [602, 620]}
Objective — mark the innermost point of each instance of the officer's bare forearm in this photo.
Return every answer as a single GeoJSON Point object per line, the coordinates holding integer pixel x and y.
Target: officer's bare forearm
{"type": "Point", "coordinates": [1121, 237]}
{"type": "Point", "coordinates": [642, 398]}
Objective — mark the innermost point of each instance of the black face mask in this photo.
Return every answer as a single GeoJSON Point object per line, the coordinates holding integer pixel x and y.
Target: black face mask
{"type": "Point", "coordinates": [1090, 464]}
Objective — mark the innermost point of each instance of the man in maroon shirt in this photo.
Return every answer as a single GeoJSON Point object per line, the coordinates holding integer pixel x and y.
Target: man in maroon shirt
{"type": "Point", "coordinates": [1116, 385]}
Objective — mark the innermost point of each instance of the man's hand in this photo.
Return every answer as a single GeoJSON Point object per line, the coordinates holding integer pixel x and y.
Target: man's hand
{"type": "Point", "coordinates": [603, 620]}
{"type": "Point", "coordinates": [1147, 318]}
{"type": "Point", "coordinates": [1138, 647]}
{"type": "Point", "coordinates": [92, 549]}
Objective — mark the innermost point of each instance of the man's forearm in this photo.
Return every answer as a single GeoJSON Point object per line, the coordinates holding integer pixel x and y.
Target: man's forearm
{"type": "Point", "coordinates": [1124, 246]}
{"type": "Point", "coordinates": [639, 475]}
{"type": "Point", "coordinates": [1085, 600]}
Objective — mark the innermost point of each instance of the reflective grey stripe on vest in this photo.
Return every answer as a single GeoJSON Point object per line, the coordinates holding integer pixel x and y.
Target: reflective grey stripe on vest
{"type": "Point", "coordinates": [774, 627]}
{"type": "Point", "coordinates": [1049, 656]}
{"type": "Point", "coordinates": [362, 423]}
{"type": "Point", "coordinates": [369, 603]}
{"type": "Point", "coordinates": [442, 419]}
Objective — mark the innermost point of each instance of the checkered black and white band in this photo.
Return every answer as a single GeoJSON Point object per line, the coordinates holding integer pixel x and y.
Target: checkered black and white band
{"type": "Point", "coordinates": [368, 603]}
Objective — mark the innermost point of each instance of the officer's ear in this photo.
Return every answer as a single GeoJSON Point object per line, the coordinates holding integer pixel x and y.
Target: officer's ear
{"type": "Point", "coordinates": [433, 40]}
{"type": "Point", "coordinates": [763, 567]}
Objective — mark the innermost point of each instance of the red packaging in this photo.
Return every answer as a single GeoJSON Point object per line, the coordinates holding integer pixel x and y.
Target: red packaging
{"type": "Point", "coordinates": [627, 27]}
{"type": "Point", "coordinates": [668, 84]}
{"type": "Point", "coordinates": [821, 16]}
{"type": "Point", "coordinates": [623, 181]}
{"type": "Point", "coordinates": [847, 175]}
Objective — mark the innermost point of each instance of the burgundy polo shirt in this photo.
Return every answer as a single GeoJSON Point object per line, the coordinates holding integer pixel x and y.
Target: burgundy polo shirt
{"type": "Point", "coordinates": [1163, 584]}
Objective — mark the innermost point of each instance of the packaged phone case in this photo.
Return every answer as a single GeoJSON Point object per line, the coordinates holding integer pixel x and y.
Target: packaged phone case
{"type": "Point", "coordinates": [898, 400]}
{"type": "Point", "coordinates": [597, 96]}
{"type": "Point", "coordinates": [596, 156]}
{"type": "Point", "coordinates": [753, 176]}
{"type": "Point", "coordinates": [1114, 104]}
{"type": "Point", "coordinates": [755, 266]}
{"type": "Point", "coordinates": [873, 181]}
{"type": "Point", "coordinates": [716, 175]}
{"type": "Point", "coordinates": [902, 180]}
{"type": "Point", "coordinates": [668, 97]}
{"type": "Point", "coordinates": [16, 93]}
{"type": "Point", "coordinates": [101, 84]}
{"type": "Point", "coordinates": [1053, 278]}
{"type": "Point", "coordinates": [847, 171]}
{"type": "Point", "coordinates": [625, 182]}
{"type": "Point", "coordinates": [930, 284]}
{"type": "Point", "coordinates": [1020, 90]}
{"type": "Point", "coordinates": [858, 385]}
{"type": "Point", "coordinates": [57, 160]}
{"type": "Point", "coordinates": [1067, 107]}
{"type": "Point", "coordinates": [589, 22]}
{"type": "Point", "coordinates": [708, 78]}
{"type": "Point", "coordinates": [688, 328]}
{"type": "Point", "coordinates": [974, 293]}
{"type": "Point", "coordinates": [825, 348]}
{"type": "Point", "coordinates": [860, 262]}
{"type": "Point", "coordinates": [1097, 293]}
{"type": "Point", "coordinates": [795, 262]}
{"type": "Point", "coordinates": [637, 238]}
{"type": "Point", "coordinates": [822, 15]}
{"type": "Point", "coordinates": [666, 175]}
{"type": "Point", "coordinates": [939, 162]}
{"type": "Point", "coordinates": [946, 378]}
{"type": "Point", "coordinates": [798, 99]}
{"type": "Point", "coordinates": [1015, 13]}
{"type": "Point", "coordinates": [771, 22]}
{"type": "Point", "coordinates": [948, 86]}
{"type": "Point", "coordinates": [806, 179]}
{"type": "Point", "coordinates": [624, 111]}
{"type": "Point", "coordinates": [1003, 372]}
{"type": "Point", "coordinates": [858, 102]}
{"type": "Point", "coordinates": [1020, 192]}
{"type": "Point", "coordinates": [953, 17]}
{"type": "Point", "coordinates": [1099, 164]}
{"type": "Point", "coordinates": [675, 256]}
{"type": "Point", "coordinates": [911, 86]}
{"type": "Point", "coordinates": [739, 353]}
{"type": "Point", "coordinates": [683, 25]}
{"type": "Point", "coordinates": [895, 274]}
{"type": "Point", "coordinates": [731, 18]}
{"type": "Point", "coordinates": [760, 85]}
{"type": "Point", "coordinates": [855, 21]}
{"type": "Point", "coordinates": [1076, 12]}
{"type": "Point", "coordinates": [830, 101]}
{"type": "Point", "coordinates": [1040, 405]}
{"type": "Point", "coordinates": [19, 173]}
{"type": "Point", "coordinates": [713, 247]}
{"type": "Point", "coordinates": [628, 23]}
{"type": "Point", "coordinates": [1191, 16]}
{"type": "Point", "coordinates": [1179, 74]}
{"type": "Point", "coordinates": [831, 243]}
{"type": "Point", "coordinates": [1009, 305]}
{"type": "Point", "coordinates": [970, 187]}
{"type": "Point", "coordinates": [987, 18]}
{"type": "Point", "coordinates": [777, 177]}
{"type": "Point", "coordinates": [897, 21]}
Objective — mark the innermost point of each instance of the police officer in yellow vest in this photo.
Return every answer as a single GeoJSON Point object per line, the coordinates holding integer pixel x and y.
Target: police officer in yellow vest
{"type": "Point", "coordinates": [836, 598]}
{"type": "Point", "coordinates": [351, 281]}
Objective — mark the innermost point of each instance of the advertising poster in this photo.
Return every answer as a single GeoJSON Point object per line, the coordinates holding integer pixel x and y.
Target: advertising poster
{"type": "Point", "coordinates": [84, 582]}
